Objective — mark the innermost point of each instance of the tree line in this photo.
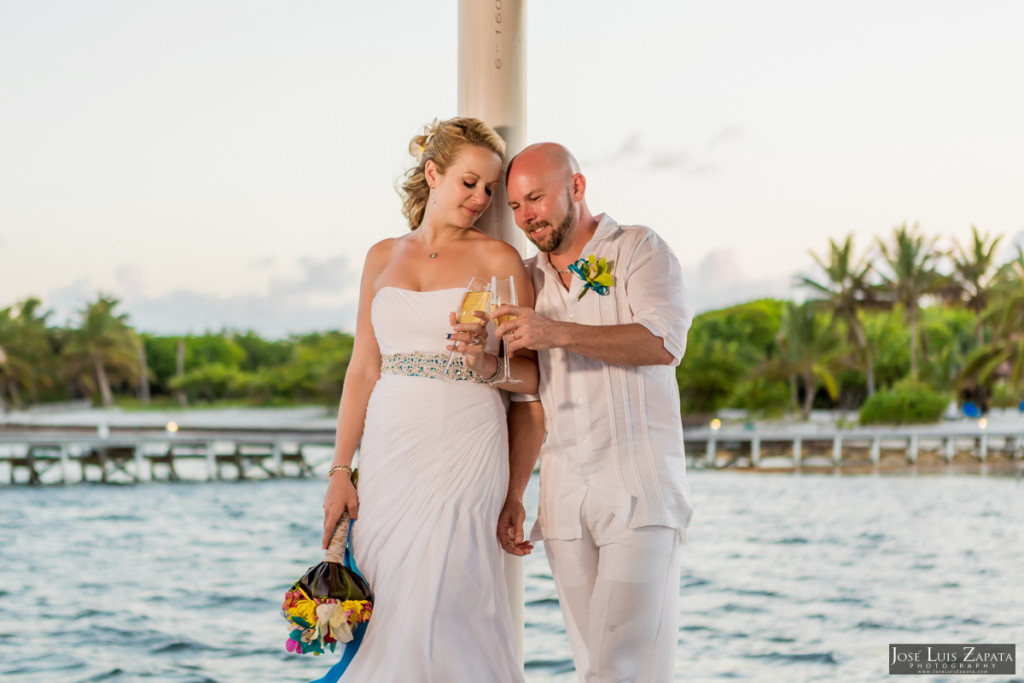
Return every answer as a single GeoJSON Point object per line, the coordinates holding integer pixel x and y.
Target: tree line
{"type": "Point", "coordinates": [102, 357]}
{"type": "Point", "coordinates": [905, 316]}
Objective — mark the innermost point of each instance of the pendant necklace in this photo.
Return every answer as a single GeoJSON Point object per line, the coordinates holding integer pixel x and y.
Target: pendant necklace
{"type": "Point", "coordinates": [433, 254]}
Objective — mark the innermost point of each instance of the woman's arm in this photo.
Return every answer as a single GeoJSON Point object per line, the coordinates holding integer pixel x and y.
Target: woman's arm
{"type": "Point", "coordinates": [360, 377]}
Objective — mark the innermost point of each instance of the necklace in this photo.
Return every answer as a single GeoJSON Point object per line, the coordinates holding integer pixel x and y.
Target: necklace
{"type": "Point", "coordinates": [559, 270]}
{"type": "Point", "coordinates": [433, 254]}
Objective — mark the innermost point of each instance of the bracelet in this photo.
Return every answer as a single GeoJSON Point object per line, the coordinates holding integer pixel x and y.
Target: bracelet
{"type": "Point", "coordinates": [497, 371]}
{"type": "Point", "coordinates": [343, 468]}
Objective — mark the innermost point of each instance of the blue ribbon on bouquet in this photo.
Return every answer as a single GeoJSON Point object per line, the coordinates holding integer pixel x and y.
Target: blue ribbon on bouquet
{"type": "Point", "coordinates": [352, 646]}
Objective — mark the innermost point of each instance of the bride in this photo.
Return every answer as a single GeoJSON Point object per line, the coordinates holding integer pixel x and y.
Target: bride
{"type": "Point", "coordinates": [433, 463]}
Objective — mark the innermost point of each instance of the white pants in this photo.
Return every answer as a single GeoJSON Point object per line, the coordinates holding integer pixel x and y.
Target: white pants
{"type": "Point", "coordinates": [619, 592]}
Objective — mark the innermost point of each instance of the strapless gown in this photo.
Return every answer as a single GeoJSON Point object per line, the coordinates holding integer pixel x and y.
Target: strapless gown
{"type": "Point", "coordinates": [433, 473]}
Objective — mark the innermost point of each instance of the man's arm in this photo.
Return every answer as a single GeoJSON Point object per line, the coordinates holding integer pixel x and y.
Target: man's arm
{"type": "Point", "coordinates": [656, 334]}
{"type": "Point", "coordinates": [525, 436]}
{"type": "Point", "coordinates": [629, 344]}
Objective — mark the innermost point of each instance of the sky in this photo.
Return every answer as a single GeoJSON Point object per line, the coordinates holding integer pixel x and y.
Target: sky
{"type": "Point", "coordinates": [228, 164]}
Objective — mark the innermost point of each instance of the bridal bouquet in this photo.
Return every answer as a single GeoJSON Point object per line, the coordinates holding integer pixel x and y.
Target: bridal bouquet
{"type": "Point", "coordinates": [330, 602]}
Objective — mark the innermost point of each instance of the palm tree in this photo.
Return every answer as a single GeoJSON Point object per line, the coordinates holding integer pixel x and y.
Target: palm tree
{"type": "Point", "coordinates": [1006, 315]}
{"type": "Point", "coordinates": [809, 350]}
{"type": "Point", "coordinates": [844, 292]}
{"type": "Point", "coordinates": [3, 379]}
{"type": "Point", "coordinates": [104, 346]}
{"type": "Point", "coordinates": [26, 350]}
{"type": "Point", "coordinates": [144, 394]}
{"type": "Point", "coordinates": [911, 261]}
{"type": "Point", "coordinates": [974, 274]}
{"type": "Point", "coordinates": [25, 337]}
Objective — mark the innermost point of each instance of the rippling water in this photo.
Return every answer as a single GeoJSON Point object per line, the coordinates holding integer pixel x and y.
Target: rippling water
{"type": "Point", "coordinates": [786, 577]}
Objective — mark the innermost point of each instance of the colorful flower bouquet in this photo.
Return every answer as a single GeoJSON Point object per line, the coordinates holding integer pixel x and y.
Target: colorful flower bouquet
{"type": "Point", "coordinates": [329, 602]}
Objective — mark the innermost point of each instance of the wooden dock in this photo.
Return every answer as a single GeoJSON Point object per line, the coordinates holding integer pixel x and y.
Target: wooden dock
{"type": "Point", "coordinates": [70, 456]}
{"type": "Point", "coordinates": [855, 448]}
{"type": "Point", "coordinates": [133, 456]}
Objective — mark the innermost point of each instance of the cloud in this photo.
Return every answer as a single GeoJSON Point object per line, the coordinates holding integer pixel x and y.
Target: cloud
{"type": "Point", "coordinates": [130, 279]}
{"type": "Point", "coordinates": [270, 315]}
{"type": "Point", "coordinates": [668, 159]}
{"type": "Point", "coordinates": [681, 159]}
{"type": "Point", "coordinates": [67, 301]}
{"type": "Point", "coordinates": [331, 275]}
{"type": "Point", "coordinates": [681, 162]}
{"type": "Point", "coordinates": [1008, 247]}
{"type": "Point", "coordinates": [718, 281]}
{"type": "Point", "coordinates": [725, 136]}
{"type": "Point", "coordinates": [629, 149]}
{"type": "Point", "coordinates": [262, 263]}
{"type": "Point", "coordinates": [322, 297]}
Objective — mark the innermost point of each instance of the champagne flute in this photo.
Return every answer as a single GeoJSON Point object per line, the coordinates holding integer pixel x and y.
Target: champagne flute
{"type": "Point", "coordinates": [504, 289]}
{"type": "Point", "coordinates": [475, 298]}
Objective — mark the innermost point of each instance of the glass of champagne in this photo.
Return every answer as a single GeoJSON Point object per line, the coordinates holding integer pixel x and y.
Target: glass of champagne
{"type": "Point", "coordinates": [475, 298]}
{"type": "Point", "coordinates": [504, 292]}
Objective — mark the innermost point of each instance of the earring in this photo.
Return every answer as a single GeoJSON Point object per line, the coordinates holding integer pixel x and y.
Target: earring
{"type": "Point", "coordinates": [433, 196]}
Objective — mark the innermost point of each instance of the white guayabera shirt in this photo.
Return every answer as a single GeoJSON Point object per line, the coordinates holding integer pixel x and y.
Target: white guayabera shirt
{"type": "Point", "coordinates": [613, 430]}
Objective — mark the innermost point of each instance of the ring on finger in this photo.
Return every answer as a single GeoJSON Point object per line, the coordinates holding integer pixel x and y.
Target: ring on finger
{"type": "Point", "coordinates": [477, 341]}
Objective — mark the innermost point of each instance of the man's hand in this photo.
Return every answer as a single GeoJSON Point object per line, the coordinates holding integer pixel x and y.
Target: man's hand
{"type": "Point", "coordinates": [529, 330]}
{"type": "Point", "coordinates": [510, 528]}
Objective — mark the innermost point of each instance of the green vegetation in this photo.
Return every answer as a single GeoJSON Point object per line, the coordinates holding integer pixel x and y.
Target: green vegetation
{"type": "Point", "coordinates": [103, 358]}
{"type": "Point", "coordinates": [908, 402]}
{"type": "Point", "coordinates": [724, 348]}
{"type": "Point", "coordinates": [896, 332]}
{"type": "Point", "coordinates": [907, 322]}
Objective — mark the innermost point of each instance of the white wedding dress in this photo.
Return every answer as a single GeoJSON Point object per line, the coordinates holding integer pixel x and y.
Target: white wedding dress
{"type": "Point", "coordinates": [433, 473]}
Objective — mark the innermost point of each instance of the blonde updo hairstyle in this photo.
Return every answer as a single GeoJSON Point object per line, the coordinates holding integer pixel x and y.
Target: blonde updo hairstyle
{"type": "Point", "coordinates": [440, 143]}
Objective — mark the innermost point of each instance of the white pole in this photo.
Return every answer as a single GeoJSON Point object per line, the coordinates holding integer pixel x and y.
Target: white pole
{"type": "Point", "coordinates": [492, 87]}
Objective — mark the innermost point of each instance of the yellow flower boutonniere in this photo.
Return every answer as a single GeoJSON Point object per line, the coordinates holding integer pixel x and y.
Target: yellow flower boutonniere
{"type": "Point", "coordinates": [595, 275]}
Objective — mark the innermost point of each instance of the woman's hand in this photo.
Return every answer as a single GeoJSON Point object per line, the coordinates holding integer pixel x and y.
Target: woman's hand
{"type": "Point", "coordinates": [341, 496]}
{"type": "Point", "coordinates": [470, 339]}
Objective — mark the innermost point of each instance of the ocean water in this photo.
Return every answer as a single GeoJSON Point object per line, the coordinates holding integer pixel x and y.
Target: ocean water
{"type": "Point", "coordinates": [786, 577]}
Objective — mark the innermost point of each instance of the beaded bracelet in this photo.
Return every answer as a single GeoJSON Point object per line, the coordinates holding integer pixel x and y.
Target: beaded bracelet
{"type": "Point", "coordinates": [344, 468]}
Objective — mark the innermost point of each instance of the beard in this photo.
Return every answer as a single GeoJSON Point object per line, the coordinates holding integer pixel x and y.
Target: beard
{"type": "Point", "coordinates": [557, 234]}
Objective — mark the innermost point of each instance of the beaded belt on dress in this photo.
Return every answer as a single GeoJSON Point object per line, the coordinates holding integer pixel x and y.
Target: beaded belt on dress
{"type": "Point", "coordinates": [418, 364]}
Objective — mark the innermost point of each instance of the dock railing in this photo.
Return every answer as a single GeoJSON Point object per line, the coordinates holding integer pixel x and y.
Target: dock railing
{"type": "Point", "coordinates": [831, 447]}
{"type": "Point", "coordinates": [70, 456]}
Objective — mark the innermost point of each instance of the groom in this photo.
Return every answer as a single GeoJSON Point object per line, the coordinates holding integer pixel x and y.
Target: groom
{"type": "Point", "coordinates": [614, 503]}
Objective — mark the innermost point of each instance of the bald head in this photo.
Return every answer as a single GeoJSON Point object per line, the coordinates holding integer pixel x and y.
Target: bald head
{"type": "Point", "coordinates": [546, 195]}
{"type": "Point", "coordinates": [548, 159]}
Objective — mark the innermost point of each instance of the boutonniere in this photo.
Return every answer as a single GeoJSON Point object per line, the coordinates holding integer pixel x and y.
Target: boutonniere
{"type": "Point", "coordinates": [595, 275]}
